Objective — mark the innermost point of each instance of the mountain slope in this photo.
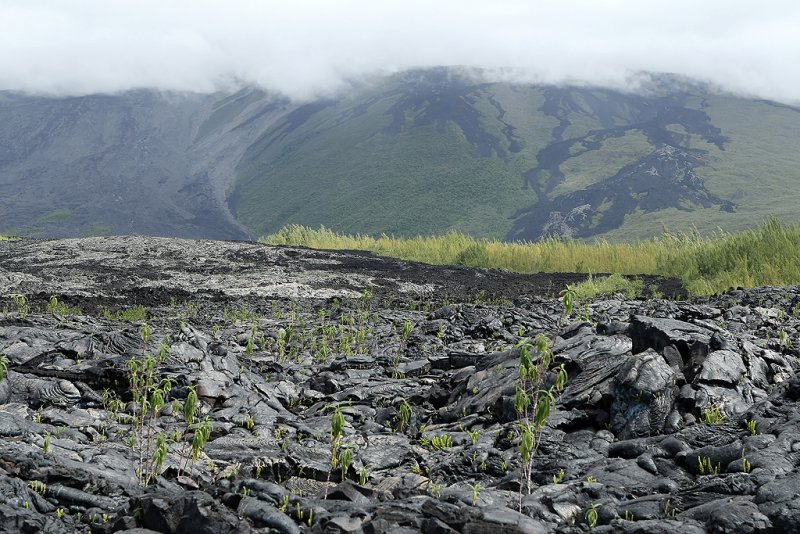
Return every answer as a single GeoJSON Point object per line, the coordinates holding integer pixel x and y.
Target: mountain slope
{"type": "Point", "coordinates": [421, 152]}
{"type": "Point", "coordinates": [431, 151]}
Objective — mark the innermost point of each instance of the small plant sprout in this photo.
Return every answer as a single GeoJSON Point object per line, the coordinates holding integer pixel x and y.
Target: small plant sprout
{"type": "Point", "coordinates": [21, 304]}
{"type": "Point", "coordinates": [3, 367]}
{"type": "Point", "coordinates": [568, 297]}
{"type": "Point", "coordinates": [527, 444]}
{"type": "Point", "coordinates": [145, 332]}
{"type": "Point", "coordinates": [362, 476]}
{"type": "Point", "coordinates": [405, 415]}
{"type": "Point", "coordinates": [752, 426]}
{"type": "Point", "coordinates": [442, 442]}
{"type": "Point", "coordinates": [629, 515]}
{"type": "Point", "coordinates": [706, 467]}
{"type": "Point", "coordinates": [60, 512]}
{"type": "Point", "coordinates": [473, 435]}
{"type": "Point", "coordinates": [746, 466]}
{"type": "Point", "coordinates": [591, 515]}
{"type": "Point", "coordinates": [159, 454]}
{"type": "Point", "coordinates": [46, 444]}
{"type": "Point", "coordinates": [669, 510]}
{"type": "Point", "coordinates": [249, 422]}
{"type": "Point", "coordinates": [38, 486]}
{"type": "Point", "coordinates": [591, 480]}
{"type": "Point", "coordinates": [367, 294]}
{"type": "Point", "coordinates": [337, 431]}
{"type": "Point", "coordinates": [258, 465]}
{"type": "Point", "coordinates": [713, 416]}
{"type": "Point", "coordinates": [784, 341]}
{"type": "Point", "coordinates": [189, 406]}
{"type": "Point", "coordinates": [201, 436]}
{"type": "Point", "coordinates": [408, 326]}
{"type": "Point", "coordinates": [345, 460]}
{"type": "Point", "coordinates": [476, 492]}
{"type": "Point", "coordinates": [337, 425]}
{"type": "Point", "coordinates": [558, 478]}
{"type": "Point", "coordinates": [561, 379]}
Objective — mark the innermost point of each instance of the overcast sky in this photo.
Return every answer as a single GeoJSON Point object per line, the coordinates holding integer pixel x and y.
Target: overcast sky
{"type": "Point", "coordinates": [307, 48]}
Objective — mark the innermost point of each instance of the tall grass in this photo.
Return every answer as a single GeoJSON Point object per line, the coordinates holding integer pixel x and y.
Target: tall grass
{"type": "Point", "coordinates": [767, 255]}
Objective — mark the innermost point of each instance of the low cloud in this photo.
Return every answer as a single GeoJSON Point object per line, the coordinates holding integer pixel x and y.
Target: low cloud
{"type": "Point", "coordinates": [307, 48]}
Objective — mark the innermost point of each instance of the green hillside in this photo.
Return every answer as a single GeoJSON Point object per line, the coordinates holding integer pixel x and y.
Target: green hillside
{"type": "Point", "coordinates": [423, 152]}
{"type": "Point", "coordinates": [383, 162]}
{"type": "Point", "coordinates": [428, 152]}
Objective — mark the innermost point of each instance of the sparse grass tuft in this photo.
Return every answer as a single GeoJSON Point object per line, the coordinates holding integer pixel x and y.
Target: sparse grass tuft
{"type": "Point", "coordinates": [133, 314]}
{"type": "Point", "coordinates": [59, 308]}
{"type": "Point", "coordinates": [607, 285]}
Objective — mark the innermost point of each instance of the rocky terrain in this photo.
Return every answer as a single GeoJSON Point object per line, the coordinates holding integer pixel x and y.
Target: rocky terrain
{"type": "Point", "coordinates": [191, 386]}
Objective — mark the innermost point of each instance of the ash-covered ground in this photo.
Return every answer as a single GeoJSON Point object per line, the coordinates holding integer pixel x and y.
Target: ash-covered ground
{"type": "Point", "coordinates": [676, 415]}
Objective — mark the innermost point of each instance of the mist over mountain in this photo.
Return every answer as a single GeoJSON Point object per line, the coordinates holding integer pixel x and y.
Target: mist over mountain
{"type": "Point", "coordinates": [422, 151]}
{"type": "Point", "coordinates": [310, 49]}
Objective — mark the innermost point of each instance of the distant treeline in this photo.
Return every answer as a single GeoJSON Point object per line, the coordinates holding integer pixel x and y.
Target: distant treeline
{"type": "Point", "coordinates": [766, 255]}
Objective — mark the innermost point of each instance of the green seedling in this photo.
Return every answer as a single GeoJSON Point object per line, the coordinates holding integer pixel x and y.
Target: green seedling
{"type": "Point", "coordinates": [405, 415]}
{"type": "Point", "coordinates": [746, 466]}
{"type": "Point", "coordinates": [345, 460]}
{"type": "Point", "coordinates": [752, 427]}
{"type": "Point", "coordinates": [337, 431]}
{"type": "Point", "coordinates": [476, 491]}
{"type": "Point", "coordinates": [706, 467]}
{"type": "Point", "coordinates": [591, 515]}
{"type": "Point", "coordinates": [442, 442]}
{"type": "Point", "coordinates": [713, 416]}
{"type": "Point", "coordinates": [408, 326]}
{"type": "Point", "coordinates": [559, 477]}
{"type": "Point", "coordinates": [629, 516]}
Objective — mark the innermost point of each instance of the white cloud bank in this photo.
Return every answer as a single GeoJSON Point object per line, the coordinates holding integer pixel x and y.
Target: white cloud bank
{"type": "Point", "coordinates": [305, 48]}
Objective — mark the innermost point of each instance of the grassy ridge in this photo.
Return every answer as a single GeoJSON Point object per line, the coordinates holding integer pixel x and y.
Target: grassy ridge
{"type": "Point", "coordinates": [767, 255]}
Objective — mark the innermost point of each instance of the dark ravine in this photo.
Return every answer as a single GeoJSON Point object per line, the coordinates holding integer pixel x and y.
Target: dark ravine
{"type": "Point", "coordinates": [630, 430]}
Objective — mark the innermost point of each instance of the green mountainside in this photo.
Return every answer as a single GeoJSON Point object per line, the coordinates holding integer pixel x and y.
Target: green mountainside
{"type": "Point", "coordinates": [421, 152]}
{"type": "Point", "coordinates": [430, 152]}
